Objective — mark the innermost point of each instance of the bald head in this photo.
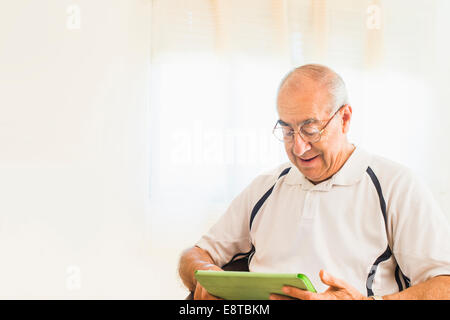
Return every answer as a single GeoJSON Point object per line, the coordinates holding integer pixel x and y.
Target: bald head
{"type": "Point", "coordinates": [308, 102]}
{"type": "Point", "coordinates": [322, 78]}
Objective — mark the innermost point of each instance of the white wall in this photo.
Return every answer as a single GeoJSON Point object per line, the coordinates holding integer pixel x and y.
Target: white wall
{"type": "Point", "coordinates": [73, 149]}
{"type": "Point", "coordinates": [75, 126]}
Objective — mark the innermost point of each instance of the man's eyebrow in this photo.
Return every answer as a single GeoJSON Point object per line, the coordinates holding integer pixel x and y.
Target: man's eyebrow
{"type": "Point", "coordinates": [307, 121]}
{"type": "Point", "coordinates": [283, 123]}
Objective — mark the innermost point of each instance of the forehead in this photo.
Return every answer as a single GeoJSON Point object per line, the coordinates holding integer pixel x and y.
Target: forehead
{"type": "Point", "coordinates": [297, 104]}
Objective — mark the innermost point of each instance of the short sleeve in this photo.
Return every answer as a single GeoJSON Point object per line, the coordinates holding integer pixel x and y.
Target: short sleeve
{"type": "Point", "coordinates": [230, 235]}
{"type": "Point", "coordinates": [421, 231]}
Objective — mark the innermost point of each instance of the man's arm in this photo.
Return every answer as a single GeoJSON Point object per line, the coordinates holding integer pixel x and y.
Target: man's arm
{"type": "Point", "coordinates": [436, 288]}
{"type": "Point", "coordinates": [191, 260]}
{"type": "Point", "coordinates": [432, 289]}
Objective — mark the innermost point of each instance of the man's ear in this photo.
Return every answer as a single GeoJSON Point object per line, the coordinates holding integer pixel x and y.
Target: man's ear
{"type": "Point", "coordinates": [346, 117]}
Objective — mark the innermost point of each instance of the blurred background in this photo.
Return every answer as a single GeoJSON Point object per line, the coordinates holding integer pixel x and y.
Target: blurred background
{"type": "Point", "coordinates": [127, 126]}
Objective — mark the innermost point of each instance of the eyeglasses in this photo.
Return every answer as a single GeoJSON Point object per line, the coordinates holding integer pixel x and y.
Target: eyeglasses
{"type": "Point", "coordinates": [309, 130]}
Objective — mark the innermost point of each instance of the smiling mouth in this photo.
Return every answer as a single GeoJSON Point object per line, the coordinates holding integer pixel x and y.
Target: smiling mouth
{"type": "Point", "coordinates": [309, 159]}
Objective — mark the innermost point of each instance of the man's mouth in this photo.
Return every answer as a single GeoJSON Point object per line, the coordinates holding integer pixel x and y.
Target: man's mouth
{"type": "Point", "coordinates": [309, 161]}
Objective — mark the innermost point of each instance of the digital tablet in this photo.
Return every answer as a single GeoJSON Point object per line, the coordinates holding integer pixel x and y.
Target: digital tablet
{"type": "Point", "coordinates": [236, 285]}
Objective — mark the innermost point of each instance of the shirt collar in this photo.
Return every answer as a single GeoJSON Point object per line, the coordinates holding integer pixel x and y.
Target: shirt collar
{"type": "Point", "coordinates": [351, 172]}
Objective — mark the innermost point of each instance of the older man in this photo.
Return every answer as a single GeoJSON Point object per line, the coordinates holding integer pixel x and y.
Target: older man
{"type": "Point", "coordinates": [369, 222]}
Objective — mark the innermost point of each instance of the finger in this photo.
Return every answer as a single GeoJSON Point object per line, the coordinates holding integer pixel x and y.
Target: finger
{"type": "Point", "coordinates": [201, 293]}
{"type": "Point", "coordinates": [274, 296]}
{"type": "Point", "coordinates": [331, 281]}
{"type": "Point", "coordinates": [205, 295]}
{"type": "Point", "coordinates": [209, 296]}
{"type": "Point", "coordinates": [300, 294]}
{"type": "Point", "coordinates": [197, 292]}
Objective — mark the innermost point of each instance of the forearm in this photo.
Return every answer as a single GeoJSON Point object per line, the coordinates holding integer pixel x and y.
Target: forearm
{"type": "Point", "coordinates": [436, 288]}
{"type": "Point", "coordinates": [191, 260]}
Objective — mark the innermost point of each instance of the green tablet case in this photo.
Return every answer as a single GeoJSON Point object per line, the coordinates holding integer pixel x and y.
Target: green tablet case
{"type": "Point", "coordinates": [236, 285]}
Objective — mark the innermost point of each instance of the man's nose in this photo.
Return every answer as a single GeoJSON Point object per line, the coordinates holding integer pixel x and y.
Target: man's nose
{"type": "Point", "coordinates": [300, 145]}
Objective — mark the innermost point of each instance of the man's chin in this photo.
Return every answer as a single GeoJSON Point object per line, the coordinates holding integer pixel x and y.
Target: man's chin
{"type": "Point", "coordinates": [307, 172]}
{"type": "Point", "coordinates": [310, 173]}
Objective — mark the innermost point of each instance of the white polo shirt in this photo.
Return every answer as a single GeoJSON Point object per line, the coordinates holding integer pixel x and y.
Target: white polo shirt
{"type": "Point", "coordinates": [338, 226]}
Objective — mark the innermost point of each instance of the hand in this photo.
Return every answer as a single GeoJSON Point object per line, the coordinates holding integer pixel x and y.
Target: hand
{"type": "Point", "coordinates": [338, 290]}
{"type": "Point", "coordinates": [200, 293]}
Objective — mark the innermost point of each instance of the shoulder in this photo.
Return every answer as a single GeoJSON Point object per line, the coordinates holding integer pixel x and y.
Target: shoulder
{"type": "Point", "coordinates": [391, 173]}
{"type": "Point", "coordinates": [399, 183]}
{"type": "Point", "coordinates": [267, 179]}
{"type": "Point", "coordinates": [250, 195]}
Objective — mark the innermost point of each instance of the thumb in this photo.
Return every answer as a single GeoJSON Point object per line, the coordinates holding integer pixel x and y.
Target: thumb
{"type": "Point", "coordinates": [330, 280]}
